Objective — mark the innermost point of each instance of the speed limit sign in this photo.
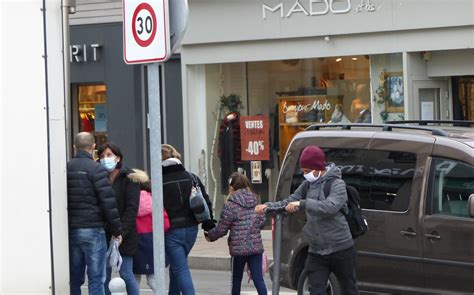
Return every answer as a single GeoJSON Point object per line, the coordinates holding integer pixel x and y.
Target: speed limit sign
{"type": "Point", "coordinates": [145, 31]}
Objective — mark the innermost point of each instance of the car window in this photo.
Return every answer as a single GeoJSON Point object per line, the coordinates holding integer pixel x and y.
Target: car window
{"type": "Point", "coordinates": [452, 184]}
{"type": "Point", "coordinates": [388, 180]}
{"type": "Point", "coordinates": [348, 160]}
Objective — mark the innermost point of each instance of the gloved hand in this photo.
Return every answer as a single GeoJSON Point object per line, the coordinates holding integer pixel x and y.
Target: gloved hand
{"type": "Point", "coordinates": [209, 224]}
{"type": "Point", "coordinates": [268, 173]}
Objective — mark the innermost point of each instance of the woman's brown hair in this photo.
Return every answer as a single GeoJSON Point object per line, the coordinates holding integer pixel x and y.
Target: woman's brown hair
{"type": "Point", "coordinates": [168, 151]}
{"type": "Point", "coordinates": [238, 181]}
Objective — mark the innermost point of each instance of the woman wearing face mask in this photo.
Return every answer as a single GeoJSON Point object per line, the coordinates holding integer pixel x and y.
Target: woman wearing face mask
{"type": "Point", "coordinates": [331, 248]}
{"type": "Point", "coordinates": [127, 194]}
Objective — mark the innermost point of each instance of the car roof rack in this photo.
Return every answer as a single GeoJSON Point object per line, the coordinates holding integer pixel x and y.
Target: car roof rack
{"type": "Point", "coordinates": [458, 123]}
{"type": "Point", "coordinates": [385, 127]}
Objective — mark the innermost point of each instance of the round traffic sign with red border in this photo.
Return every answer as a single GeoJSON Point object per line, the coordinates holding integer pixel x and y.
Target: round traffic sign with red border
{"type": "Point", "coordinates": [145, 32]}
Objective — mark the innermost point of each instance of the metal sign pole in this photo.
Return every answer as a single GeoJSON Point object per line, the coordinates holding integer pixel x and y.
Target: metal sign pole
{"type": "Point", "coordinates": [156, 176]}
{"type": "Point", "coordinates": [277, 255]}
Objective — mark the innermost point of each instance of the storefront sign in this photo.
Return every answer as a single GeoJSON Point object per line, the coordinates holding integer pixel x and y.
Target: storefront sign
{"type": "Point", "coordinates": [255, 138]}
{"type": "Point", "coordinates": [314, 106]}
{"type": "Point", "coordinates": [84, 52]}
{"type": "Point", "coordinates": [317, 7]}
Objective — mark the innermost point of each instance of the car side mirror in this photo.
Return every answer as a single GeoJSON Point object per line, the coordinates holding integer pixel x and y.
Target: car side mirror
{"type": "Point", "coordinates": [470, 204]}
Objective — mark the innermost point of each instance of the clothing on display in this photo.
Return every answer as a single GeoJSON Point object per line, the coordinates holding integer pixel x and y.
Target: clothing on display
{"type": "Point", "coordinates": [229, 148]}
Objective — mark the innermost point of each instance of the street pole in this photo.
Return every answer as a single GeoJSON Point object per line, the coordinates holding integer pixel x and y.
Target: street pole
{"type": "Point", "coordinates": [154, 95]}
{"type": "Point", "coordinates": [277, 255]}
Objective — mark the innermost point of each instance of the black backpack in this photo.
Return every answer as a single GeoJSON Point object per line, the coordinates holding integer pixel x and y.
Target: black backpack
{"type": "Point", "coordinates": [356, 220]}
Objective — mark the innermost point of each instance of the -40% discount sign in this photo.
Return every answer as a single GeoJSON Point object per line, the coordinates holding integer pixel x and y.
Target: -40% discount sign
{"type": "Point", "coordinates": [255, 138]}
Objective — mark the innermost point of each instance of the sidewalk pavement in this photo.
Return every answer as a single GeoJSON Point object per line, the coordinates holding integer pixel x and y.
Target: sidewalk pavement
{"type": "Point", "coordinates": [215, 256]}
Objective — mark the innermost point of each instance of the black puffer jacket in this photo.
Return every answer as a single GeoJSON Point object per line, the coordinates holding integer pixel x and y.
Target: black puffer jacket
{"type": "Point", "coordinates": [127, 195]}
{"type": "Point", "coordinates": [90, 197]}
{"type": "Point", "coordinates": [177, 185]}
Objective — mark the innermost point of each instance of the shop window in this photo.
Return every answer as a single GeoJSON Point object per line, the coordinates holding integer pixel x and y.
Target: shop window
{"type": "Point", "coordinates": [92, 101]}
{"type": "Point", "coordinates": [452, 184]}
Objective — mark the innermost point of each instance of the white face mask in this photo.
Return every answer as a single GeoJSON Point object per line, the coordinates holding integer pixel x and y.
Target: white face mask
{"type": "Point", "coordinates": [310, 176]}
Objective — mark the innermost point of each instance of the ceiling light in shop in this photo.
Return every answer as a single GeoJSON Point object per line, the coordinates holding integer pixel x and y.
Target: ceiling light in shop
{"type": "Point", "coordinates": [354, 58]}
{"type": "Point", "coordinates": [338, 59]}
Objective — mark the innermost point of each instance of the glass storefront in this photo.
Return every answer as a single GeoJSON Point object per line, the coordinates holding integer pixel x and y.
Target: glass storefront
{"type": "Point", "coordinates": [292, 95]}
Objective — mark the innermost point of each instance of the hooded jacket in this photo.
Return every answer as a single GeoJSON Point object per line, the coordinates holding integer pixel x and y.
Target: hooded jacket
{"type": "Point", "coordinates": [326, 229]}
{"type": "Point", "coordinates": [238, 215]}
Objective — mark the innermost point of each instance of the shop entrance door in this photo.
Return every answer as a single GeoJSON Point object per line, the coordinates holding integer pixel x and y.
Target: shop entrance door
{"type": "Point", "coordinates": [432, 100]}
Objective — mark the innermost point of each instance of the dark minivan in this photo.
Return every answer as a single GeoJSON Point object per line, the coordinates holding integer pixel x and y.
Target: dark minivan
{"type": "Point", "coordinates": [416, 185]}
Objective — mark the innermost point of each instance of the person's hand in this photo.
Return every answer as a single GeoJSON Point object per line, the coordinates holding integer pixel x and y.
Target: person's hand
{"type": "Point", "coordinates": [119, 239]}
{"type": "Point", "coordinates": [292, 207]}
{"type": "Point", "coordinates": [209, 224]}
{"type": "Point", "coordinates": [260, 209]}
{"type": "Point", "coordinates": [268, 173]}
{"type": "Point", "coordinates": [240, 170]}
{"type": "Point", "coordinates": [206, 235]}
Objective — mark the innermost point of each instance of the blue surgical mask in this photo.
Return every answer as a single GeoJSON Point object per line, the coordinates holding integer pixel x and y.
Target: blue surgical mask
{"type": "Point", "coordinates": [310, 176]}
{"type": "Point", "coordinates": [109, 163]}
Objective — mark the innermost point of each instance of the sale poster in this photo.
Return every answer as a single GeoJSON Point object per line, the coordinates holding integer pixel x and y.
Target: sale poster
{"type": "Point", "coordinates": [255, 138]}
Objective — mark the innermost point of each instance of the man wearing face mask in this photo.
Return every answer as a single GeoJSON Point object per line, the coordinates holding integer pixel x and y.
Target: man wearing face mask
{"type": "Point", "coordinates": [331, 247]}
{"type": "Point", "coordinates": [91, 207]}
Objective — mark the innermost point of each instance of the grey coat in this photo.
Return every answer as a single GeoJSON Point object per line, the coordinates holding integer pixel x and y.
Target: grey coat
{"type": "Point", "coordinates": [326, 228]}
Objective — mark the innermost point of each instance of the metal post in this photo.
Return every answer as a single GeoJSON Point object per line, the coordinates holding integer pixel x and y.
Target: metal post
{"type": "Point", "coordinates": [67, 7]}
{"type": "Point", "coordinates": [156, 176]}
{"type": "Point", "coordinates": [277, 255]}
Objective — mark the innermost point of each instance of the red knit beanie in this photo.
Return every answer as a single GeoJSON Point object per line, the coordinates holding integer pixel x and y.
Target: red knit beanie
{"type": "Point", "coordinates": [313, 158]}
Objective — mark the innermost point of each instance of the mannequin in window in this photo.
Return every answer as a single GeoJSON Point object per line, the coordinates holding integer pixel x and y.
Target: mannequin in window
{"type": "Point", "coordinates": [338, 116]}
{"type": "Point", "coordinates": [360, 106]}
{"type": "Point", "coordinates": [229, 148]}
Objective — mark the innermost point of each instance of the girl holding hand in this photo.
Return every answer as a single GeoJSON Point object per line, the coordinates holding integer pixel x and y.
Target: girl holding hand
{"type": "Point", "coordinates": [245, 241]}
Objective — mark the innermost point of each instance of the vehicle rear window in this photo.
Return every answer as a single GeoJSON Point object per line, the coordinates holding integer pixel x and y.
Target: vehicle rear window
{"type": "Point", "coordinates": [350, 161]}
{"type": "Point", "coordinates": [382, 178]}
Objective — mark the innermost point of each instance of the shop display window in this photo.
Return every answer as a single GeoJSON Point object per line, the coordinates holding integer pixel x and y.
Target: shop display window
{"type": "Point", "coordinates": [292, 94]}
{"type": "Point", "coordinates": [92, 100]}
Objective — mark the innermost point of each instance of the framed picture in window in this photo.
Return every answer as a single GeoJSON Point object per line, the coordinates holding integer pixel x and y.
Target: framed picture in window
{"type": "Point", "coordinates": [395, 95]}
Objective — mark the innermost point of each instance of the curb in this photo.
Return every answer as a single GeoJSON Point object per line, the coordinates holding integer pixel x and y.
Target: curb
{"type": "Point", "coordinates": [213, 263]}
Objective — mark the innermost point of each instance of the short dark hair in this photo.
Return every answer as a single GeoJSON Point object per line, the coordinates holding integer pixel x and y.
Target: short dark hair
{"type": "Point", "coordinates": [114, 148]}
{"type": "Point", "coordinates": [84, 140]}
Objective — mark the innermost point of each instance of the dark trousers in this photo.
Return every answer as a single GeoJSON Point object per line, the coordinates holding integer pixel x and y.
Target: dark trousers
{"type": "Point", "coordinates": [341, 263]}
{"type": "Point", "coordinates": [255, 264]}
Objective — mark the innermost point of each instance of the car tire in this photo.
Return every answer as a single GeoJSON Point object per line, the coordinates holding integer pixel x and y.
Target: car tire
{"type": "Point", "coordinates": [333, 286]}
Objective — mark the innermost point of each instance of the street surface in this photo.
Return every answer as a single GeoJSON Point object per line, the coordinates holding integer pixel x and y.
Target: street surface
{"type": "Point", "coordinates": [211, 282]}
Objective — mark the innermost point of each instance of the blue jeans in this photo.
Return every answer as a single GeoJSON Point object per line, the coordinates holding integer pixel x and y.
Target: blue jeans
{"type": "Point", "coordinates": [255, 264]}
{"type": "Point", "coordinates": [126, 273]}
{"type": "Point", "coordinates": [178, 244]}
{"type": "Point", "coordinates": [87, 247]}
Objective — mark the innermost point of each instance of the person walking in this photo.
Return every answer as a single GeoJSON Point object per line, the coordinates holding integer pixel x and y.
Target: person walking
{"type": "Point", "coordinates": [127, 193]}
{"type": "Point", "coordinates": [245, 241]}
{"type": "Point", "coordinates": [143, 262]}
{"type": "Point", "coordinates": [179, 240]}
{"type": "Point", "coordinates": [331, 247]}
{"type": "Point", "coordinates": [91, 207]}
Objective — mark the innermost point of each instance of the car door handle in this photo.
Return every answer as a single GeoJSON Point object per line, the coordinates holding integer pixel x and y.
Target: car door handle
{"type": "Point", "coordinates": [409, 232]}
{"type": "Point", "coordinates": [433, 236]}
